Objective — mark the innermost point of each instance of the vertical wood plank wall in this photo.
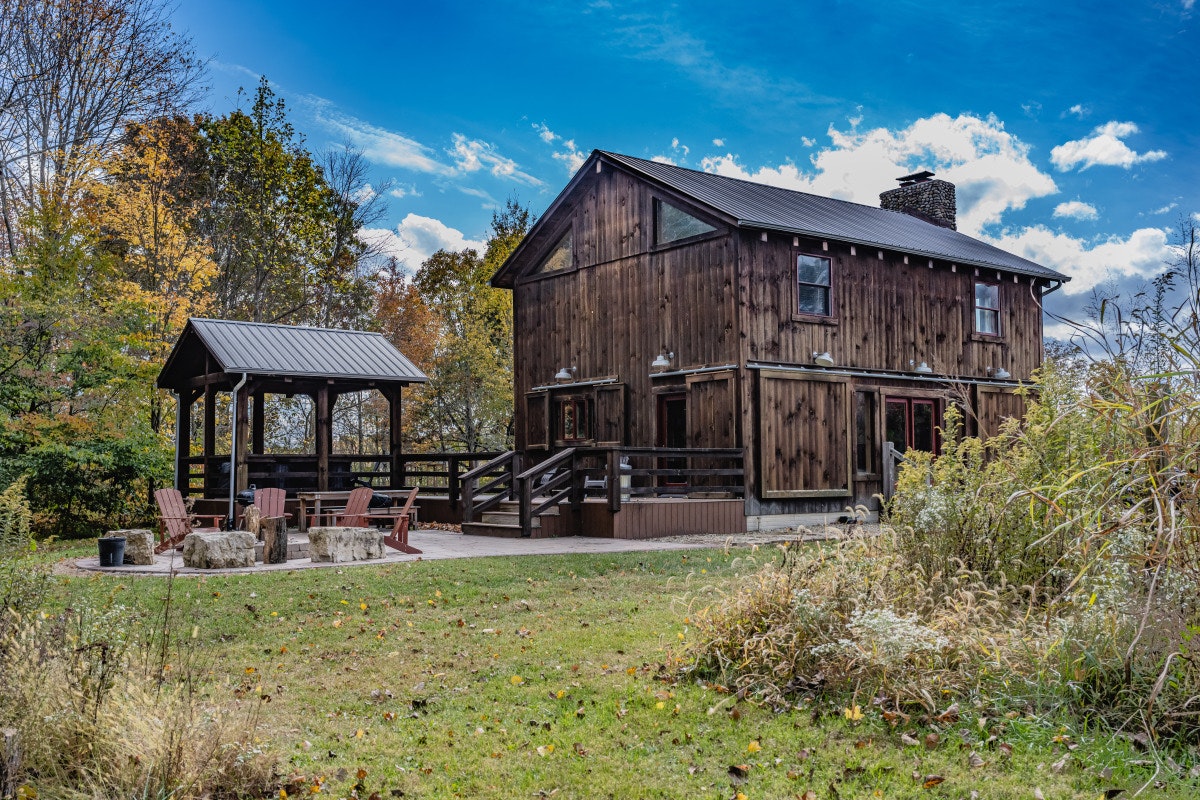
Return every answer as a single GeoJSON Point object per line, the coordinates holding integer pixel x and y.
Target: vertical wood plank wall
{"type": "Point", "coordinates": [729, 298]}
{"type": "Point", "coordinates": [624, 304]}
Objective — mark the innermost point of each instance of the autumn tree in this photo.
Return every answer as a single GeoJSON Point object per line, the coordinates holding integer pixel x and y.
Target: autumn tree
{"type": "Point", "coordinates": [148, 209]}
{"type": "Point", "coordinates": [72, 74]}
{"type": "Point", "coordinates": [468, 403]}
{"type": "Point", "coordinates": [280, 235]}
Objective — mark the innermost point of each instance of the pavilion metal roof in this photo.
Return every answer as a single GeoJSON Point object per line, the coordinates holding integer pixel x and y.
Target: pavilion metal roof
{"type": "Point", "coordinates": [757, 205]}
{"type": "Point", "coordinates": [297, 351]}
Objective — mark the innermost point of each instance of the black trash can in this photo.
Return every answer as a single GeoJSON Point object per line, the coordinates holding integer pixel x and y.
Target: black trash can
{"type": "Point", "coordinates": [112, 551]}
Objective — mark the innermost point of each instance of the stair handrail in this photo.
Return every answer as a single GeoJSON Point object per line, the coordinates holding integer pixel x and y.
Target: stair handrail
{"type": "Point", "coordinates": [506, 461]}
{"type": "Point", "coordinates": [524, 485]}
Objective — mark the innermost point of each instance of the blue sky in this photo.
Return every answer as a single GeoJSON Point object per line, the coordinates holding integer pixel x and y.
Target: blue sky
{"type": "Point", "coordinates": [1070, 128]}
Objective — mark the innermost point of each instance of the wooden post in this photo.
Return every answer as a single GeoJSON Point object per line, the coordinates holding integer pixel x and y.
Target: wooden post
{"type": "Point", "coordinates": [395, 437]}
{"type": "Point", "coordinates": [614, 480]}
{"type": "Point", "coordinates": [889, 470]}
{"type": "Point", "coordinates": [452, 482]}
{"type": "Point", "coordinates": [256, 432]}
{"type": "Point", "coordinates": [324, 438]}
{"type": "Point", "coordinates": [183, 440]}
{"type": "Point", "coordinates": [210, 439]}
{"type": "Point", "coordinates": [242, 434]}
{"type": "Point", "coordinates": [10, 761]}
{"type": "Point", "coordinates": [275, 540]}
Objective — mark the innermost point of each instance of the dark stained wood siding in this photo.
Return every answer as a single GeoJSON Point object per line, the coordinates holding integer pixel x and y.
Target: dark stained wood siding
{"type": "Point", "coordinates": [888, 315]}
{"type": "Point", "coordinates": [712, 410]}
{"type": "Point", "coordinates": [625, 303]}
{"type": "Point", "coordinates": [993, 405]}
{"type": "Point", "coordinates": [804, 434]}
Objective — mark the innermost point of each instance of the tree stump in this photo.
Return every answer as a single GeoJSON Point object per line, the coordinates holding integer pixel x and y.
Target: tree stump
{"type": "Point", "coordinates": [275, 540]}
{"type": "Point", "coordinates": [254, 521]}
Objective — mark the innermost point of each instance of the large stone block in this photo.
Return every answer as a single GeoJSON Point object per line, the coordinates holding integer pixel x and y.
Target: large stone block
{"type": "Point", "coordinates": [139, 546]}
{"type": "Point", "coordinates": [218, 550]}
{"type": "Point", "coordinates": [336, 545]}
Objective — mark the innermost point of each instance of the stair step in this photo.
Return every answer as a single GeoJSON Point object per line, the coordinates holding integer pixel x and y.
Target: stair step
{"type": "Point", "coordinates": [499, 530]}
{"type": "Point", "coordinates": [506, 518]}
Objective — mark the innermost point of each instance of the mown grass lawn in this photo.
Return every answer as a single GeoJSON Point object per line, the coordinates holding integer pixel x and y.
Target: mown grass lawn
{"type": "Point", "coordinates": [554, 677]}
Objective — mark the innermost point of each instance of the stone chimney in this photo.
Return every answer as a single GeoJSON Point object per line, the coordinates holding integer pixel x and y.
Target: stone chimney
{"type": "Point", "coordinates": [922, 197]}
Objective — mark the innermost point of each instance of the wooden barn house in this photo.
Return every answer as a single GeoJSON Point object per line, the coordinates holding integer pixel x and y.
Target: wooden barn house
{"type": "Point", "coordinates": [683, 335]}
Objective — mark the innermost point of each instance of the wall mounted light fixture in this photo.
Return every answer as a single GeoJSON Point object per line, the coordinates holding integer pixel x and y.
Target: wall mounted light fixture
{"type": "Point", "coordinates": [662, 360]}
{"type": "Point", "coordinates": [922, 368]}
{"type": "Point", "coordinates": [565, 374]}
{"type": "Point", "coordinates": [823, 359]}
{"type": "Point", "coordinates": [1003, 374]}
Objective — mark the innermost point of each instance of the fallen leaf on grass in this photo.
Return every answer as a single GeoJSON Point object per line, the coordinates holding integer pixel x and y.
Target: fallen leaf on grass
{"type": "Point", "coordinates": [975, 761]}
{"type": "Point", "coordinates": [516, 680]}
{"type": "Point", "coordinates": [753, 747]}
{"type": "Point", "coordinates": [545, 750]}
{"type": "Point", "coordinates": [738, 773]}
{"type": "Point", "coordinates": [908, 741]}
{"type": "Point", "coordinates": [931, 781]}
{"type": "Point", "coordinates": [932, 740]}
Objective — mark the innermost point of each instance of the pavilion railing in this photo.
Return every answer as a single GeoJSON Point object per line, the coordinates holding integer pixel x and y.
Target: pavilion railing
{"type": "Point", "coordinates": [438, 474]}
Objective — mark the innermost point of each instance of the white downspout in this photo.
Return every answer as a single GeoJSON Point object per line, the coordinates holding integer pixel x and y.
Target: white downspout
{"type": "Point", "coordinates": [233, 454]}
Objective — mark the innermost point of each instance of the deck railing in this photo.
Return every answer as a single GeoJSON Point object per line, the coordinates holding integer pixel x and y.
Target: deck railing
{"type": "Point", "coordinates": [433, 473]}
{"type": "Point", "coordinates": [618, 474]}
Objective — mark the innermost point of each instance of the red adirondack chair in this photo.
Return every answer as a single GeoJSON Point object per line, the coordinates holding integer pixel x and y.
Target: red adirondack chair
{"type": "Point", "coordinates": [270, 503]}
{"type": "Point", "coordinates": [353, 515]}
{"type": "Point", "coordinates": [174, 520]}
{"type": "Point", "coordinates": [398, 538]}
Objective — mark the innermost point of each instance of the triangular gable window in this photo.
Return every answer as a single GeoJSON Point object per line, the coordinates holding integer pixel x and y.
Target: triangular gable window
{"type": "Point", "coordinates": [672, 224]}
{"type": "Point", "coordinates": [560, 256]}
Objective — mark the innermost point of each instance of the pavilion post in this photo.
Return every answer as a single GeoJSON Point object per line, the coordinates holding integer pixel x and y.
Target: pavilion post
{"type": "Point", "coordinates": [183, 439]}
{"type": "Point", "coordinates": [242, 434]}
{"type": "Point", "coordinates": [256, 431]}
{"type": "Point", "coordinates": [210, 439]}
{"type": "Point", "coordinates": [395, 439]}
{"type": "Point", "coordinates": [324, 438]}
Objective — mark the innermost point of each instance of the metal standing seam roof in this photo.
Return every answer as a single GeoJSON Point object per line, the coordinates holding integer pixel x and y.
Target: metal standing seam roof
{"type": "Point", "coordinates": [264, 349]}
{"type": "Point", "coordinates": [757, 205]}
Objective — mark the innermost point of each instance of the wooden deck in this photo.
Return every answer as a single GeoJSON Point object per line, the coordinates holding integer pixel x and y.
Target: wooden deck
{"type": "Point", "coordinates": [649, 519]}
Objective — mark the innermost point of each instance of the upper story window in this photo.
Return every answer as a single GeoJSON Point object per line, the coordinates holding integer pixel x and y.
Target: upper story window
{"type": "Point", "coordinates": [560, 256]}
{"type": "Point", "coordinates": [813, 285]}
{"type": "Point", "coordinates": [987, 308]}
{"type": "Point", "coordinates": [672, 224]}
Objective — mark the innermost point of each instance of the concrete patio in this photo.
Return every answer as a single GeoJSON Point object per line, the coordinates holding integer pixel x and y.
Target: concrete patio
{"type": "Point", "coordinates": [434, 544]}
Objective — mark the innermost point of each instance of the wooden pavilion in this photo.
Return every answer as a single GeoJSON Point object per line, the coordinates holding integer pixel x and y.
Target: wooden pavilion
{"type": "Point", "coordinates": [248, 361]}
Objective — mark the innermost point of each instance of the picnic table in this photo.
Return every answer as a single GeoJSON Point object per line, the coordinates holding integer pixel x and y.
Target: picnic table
{"type": "Point", "coordinates": [323, 504]}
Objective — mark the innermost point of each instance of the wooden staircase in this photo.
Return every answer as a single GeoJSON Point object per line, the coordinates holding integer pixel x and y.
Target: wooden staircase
{"type": "Point", "coordinates": [505, 521]}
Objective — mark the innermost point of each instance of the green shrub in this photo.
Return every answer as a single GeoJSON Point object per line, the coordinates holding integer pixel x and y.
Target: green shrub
{"type": "Point", "coordinates": [81, 482]}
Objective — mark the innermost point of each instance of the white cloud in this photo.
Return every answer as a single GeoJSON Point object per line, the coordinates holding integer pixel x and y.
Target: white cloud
{"type": "Point", "coordinates": [664, 160]}
{"type": "Point", "coordinates": [989, 166]}
{"type": "Point", "coordinates": [572, 156]}
{"type": "Point", "coordinates": [1141, 255]}
{"type": "Point", "coordinates": [416, 238]}
{"type": "Point", "coordinates": [400, 192]}
{"type": "Point", "coordinates": [675, 145]}
{"type": "Point", "coordinates": [1076, 209]}
{"type": "Point", "coordinates": [1103, 147]}
{"type": "Point", "coordinates": [1079, 110]}
{"type": "Point", "coordinates": [718, 142]}
{"type": "Point", "coordinates": [472, 155]}
{"type": "Point", "coordinates": [567, 153]}
{"type": "Point", "coordinates": [808, 141]}
{"type": "Point", "coordinates": [365, 194]}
